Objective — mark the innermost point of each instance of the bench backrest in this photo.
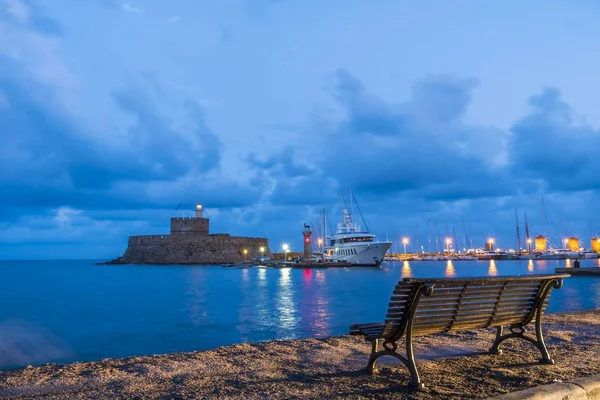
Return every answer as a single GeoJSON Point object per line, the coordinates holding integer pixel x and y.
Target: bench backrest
{"type": "Point", "coordinates": [452, 304]}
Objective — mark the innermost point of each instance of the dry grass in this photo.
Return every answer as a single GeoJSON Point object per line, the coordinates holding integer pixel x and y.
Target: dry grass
{"type": "Point", "coordinates": [452, 366]}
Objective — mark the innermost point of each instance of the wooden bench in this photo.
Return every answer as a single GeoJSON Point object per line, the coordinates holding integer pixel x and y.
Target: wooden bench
{"type": "Point", "coordinates": [428, 306]}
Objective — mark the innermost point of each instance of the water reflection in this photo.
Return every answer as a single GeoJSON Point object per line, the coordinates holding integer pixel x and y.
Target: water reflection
{"type": "Point", "coordinates": [450, 271]}
{"type": "Point", "coordinates": [492, 270]}
{"type": "Point", "coordinates": [542, 265]}
{"type": "Point", "coordinates": [530, 266]}
{"type": "Point", "coordinates": [307, 276]}
{"type": "Point", "coordinates": [285, 306]}
{"type": "Point", "coordinates": [406, 272]}
{"type": "Point", "coordinates": [314, 304]}
{"type": "Point", "coordinates": [196, 296]}
{"type": "Point", "coordinates": [262, 276]}
{"type": "Point", "coordinates": [567, 263]}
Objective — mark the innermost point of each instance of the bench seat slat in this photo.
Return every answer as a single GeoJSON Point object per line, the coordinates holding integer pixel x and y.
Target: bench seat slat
{"type": "Point", "coordinates": [431, 308]}
{"type": "Point", "coordinates": [479, 298]}
{"type": "Point", "coordinates": [480, 289]}
{"type": "Point", "coordinates": [466, 316]}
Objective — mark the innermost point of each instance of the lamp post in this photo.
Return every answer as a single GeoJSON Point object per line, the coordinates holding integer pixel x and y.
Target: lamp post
{"type": "Point", "coordinates": [287, 254]}
{"type": "Point", "coordinates": [262, 252]}
{"type": "Point", "coordinates": [405, 242]}
{"type": "Point", "coordinates": [245, 254]}
{"type": "Point", "coordinates": [285, 247]}
{"type": "Point", "coordinates": [448, 242]}
{"type": "Point", "coordinates": [320, 241]}
{"type": "Point", "coordinates": [529, 245]}
{"type": "Point", "coordinates": [566, 243]}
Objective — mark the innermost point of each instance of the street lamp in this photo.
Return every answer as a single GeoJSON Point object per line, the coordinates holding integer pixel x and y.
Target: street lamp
{"type": "Point", "coordinates": [529, 245]}
{"type": "Point", "coordinates": [320, 241]}
{"type": "Point", "coordinates": [285, 247]}
{"type": "Point", "coordinates": [405, 242]}
{"type": "Point", "coordinates": [448, 242]}
{"type": "Point", "coordinates": [287, 252]}
{"type": "Point", "coordinates": [245, 254]}
{"type": "Point", "coordinates": [566, 243]}
{"type": "Point", "coordinates": [262, 252]}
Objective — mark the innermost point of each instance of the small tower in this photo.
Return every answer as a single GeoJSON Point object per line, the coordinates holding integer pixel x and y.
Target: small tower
{"type": "Point", "coordinates": [540, 243]}
{"type": "Point", "coordinates": [573, 244]}
{"type": "Point", "coordinates": [306, 233]}
{"type": "Point", "coordinates": [596, 244]}
{"type": "Point", "coordinates": [199, 210]}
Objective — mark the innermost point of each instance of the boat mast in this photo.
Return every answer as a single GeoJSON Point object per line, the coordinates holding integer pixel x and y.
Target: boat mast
{"type": "Point", "coordinates": [429, 234]}
{"type": "Point", "coordinates": [518, 233]}
{"type": "Point", "coordinates": [325, 225]}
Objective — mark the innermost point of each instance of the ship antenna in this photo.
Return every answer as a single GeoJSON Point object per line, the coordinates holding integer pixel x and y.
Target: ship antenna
{"type": "Point", "coordinates": [361, 216]}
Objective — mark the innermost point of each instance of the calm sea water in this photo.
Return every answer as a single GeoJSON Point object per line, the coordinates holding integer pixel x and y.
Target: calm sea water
{"type": "Point", "coordinates": [64, 311]}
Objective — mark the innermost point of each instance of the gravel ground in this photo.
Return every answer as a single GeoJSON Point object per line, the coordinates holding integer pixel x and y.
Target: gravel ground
{"type": "Point", "coordinates": [453, 366]}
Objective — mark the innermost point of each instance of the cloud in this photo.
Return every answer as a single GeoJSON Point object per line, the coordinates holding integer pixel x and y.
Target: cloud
{"type": "Point", "coordinates": [132, 9]}
{"type": "Point", "coordinates": [554, 146]}
{"type": "Point", "coordinates": [418, 148]}
{"type": "Point", "coordinates": [22, 13]}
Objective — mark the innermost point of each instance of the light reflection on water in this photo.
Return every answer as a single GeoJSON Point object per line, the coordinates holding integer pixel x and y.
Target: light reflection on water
{"type": "Point", "coordinates": [118, 311]}
{"type": "Point", "coordinates": [450, 271]}
{"type": "Point", "coordinates": [406, 270]}
{"type": "Point", "coordinates": [492, 270]}
{"type": "Point", "coordinates": [285, 305]}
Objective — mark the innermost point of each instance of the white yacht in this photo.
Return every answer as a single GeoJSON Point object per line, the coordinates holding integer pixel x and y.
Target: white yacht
{"type": "Point", "coordinates": [350, 244]}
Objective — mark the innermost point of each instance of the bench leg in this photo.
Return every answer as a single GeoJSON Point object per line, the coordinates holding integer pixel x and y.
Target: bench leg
{"type": "Point", "coordinates": [390, 350]}
{"type": "Point", "coordinates": [373, 358]}
{"type": "Point", "coordinates": [519, 332]}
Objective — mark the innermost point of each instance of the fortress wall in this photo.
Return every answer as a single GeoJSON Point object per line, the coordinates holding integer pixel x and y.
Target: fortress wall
{"type": "Point", "coordinates": [193, 249]}
{"type": "Point", "coordinates": [187, 226]}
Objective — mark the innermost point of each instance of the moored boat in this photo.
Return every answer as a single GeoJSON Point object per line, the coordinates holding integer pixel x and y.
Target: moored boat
{"type": "Point", "coordinates": [351, 244]}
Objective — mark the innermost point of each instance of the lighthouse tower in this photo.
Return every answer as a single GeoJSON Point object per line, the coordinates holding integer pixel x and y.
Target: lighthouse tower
{"type": "Point", "coordinates": [306, 233]}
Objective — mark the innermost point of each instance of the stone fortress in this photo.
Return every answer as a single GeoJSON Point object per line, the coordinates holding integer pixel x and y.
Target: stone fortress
{"type": "Point", "coordinates": [191, 242]}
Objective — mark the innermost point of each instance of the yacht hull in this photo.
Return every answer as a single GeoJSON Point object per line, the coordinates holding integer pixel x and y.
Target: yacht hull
{"type": "Point", "coordinates": [368, 255]}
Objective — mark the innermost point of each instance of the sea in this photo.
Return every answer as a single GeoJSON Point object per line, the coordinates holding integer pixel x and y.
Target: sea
{"type": "Point", "coordinates": [66, 311]}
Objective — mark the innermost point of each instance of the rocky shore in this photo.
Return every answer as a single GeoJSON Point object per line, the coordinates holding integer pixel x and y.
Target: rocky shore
{"type": "Point", "coordinates": [453, 366]}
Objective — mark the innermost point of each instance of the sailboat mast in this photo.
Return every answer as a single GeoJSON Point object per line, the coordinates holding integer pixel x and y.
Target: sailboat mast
{"type": "Point", "coordinates": [325, 225]}
{"type": "Point", "coordinates": [518, 233]}
{"type": "Point", "coordinates": [429, 234]}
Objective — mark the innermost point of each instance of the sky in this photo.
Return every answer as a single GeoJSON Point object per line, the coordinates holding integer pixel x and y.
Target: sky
{"type": "Point", "coordinates": [441, 117]}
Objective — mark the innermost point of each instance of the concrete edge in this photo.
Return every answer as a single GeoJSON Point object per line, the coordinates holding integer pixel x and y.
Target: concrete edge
{"type": "Point", "coordinates": [587, 388]}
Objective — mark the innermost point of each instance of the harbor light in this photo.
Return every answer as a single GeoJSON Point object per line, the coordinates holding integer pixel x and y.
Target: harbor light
{"type": "Point", "coordinates": [285, 248]}
{"type": "Point", "coordinates": [262, 252]}
{"type": "Point", "coordinates": [566, 241]}
{"type": "Point", "coordinates": [529, 245]}
{"type": "Point", "coordinates": [287, 252]}
{"type": "Point", "coordinates": [405, 242]}
{"type": "Point", "coordinates": [245, 254]}
{"type": "Point", "coordinates": [448, 243]}
{"type": "Point", "coordinates": [320, 241]}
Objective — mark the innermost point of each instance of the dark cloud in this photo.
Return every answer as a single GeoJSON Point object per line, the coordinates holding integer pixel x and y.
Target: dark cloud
{"type": "Point", "coordinates": [551, 146]}
{"type": "Point", "coordinates": [48, 160]}
{"type": "Point", "coordinates": [413, 147]}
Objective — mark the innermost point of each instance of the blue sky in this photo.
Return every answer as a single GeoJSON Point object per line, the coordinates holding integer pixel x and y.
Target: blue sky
{"type": "Point", "coordinates": [112, 113]}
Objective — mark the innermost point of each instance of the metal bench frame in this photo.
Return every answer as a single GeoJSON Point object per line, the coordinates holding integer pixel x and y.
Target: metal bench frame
{"type": "Point", "coordinates": [401, 322]}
